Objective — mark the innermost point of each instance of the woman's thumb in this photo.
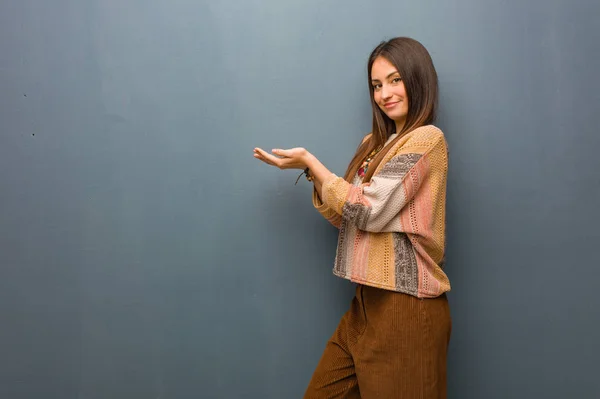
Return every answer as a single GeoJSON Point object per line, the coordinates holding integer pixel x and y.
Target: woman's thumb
{"type": "Point", "coordinates": [278, 151]}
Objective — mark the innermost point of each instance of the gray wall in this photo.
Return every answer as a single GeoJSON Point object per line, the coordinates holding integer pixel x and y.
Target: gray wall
{"type": "Point", "coordinates": [144, 253]}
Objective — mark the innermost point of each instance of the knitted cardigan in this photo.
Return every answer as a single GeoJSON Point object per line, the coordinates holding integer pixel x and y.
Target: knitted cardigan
{"type": "Point", "coordinates": [392, 229]}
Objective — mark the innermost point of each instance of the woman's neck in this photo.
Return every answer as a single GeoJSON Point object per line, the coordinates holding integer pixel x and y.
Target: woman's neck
{"type": "Point", "coordinates": [399, 125]}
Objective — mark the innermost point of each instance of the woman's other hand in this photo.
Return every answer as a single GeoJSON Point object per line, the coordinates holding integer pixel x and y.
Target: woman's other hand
{"type": "Point", "coordinates": [294, 158]}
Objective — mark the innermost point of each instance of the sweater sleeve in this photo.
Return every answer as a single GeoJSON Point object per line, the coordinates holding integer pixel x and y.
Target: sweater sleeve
{"type": "Point", "coordinates": [328, 213]}
{"type": "Point", "coordinates": [376, 206]}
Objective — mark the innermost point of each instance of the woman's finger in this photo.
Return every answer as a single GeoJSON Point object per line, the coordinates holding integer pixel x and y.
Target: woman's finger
{"type": "Point", "coordinates": [261, 152]}
{"type": "Point", "coordinates": [280, 152]}
{"type": "Point", "coordinates": [263, 159]}
{"type": "Point", "coordinates": [266, 157]}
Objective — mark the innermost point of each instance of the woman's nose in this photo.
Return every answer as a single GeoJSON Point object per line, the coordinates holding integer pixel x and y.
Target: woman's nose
{"type": "Point", "coordinates": [385, 93]}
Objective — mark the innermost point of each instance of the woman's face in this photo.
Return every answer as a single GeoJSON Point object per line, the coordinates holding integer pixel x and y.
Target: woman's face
{"type": "Point", "coordinates": [388, 91]}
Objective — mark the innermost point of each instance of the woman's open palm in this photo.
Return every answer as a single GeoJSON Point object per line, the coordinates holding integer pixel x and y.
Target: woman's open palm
{"type": "Point", "coordinates": [293, 158]}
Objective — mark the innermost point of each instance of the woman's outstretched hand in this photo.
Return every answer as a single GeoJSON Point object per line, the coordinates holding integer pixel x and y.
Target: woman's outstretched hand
{"type": "Point", "coordinates": [295, 158]}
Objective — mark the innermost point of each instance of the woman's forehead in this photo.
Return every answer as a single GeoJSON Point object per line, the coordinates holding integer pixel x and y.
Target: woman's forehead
{"type": "Point", "coordinates": [382, 68]}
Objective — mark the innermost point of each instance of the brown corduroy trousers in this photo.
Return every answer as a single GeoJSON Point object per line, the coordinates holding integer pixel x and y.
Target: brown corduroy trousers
{"type": "Point", "coordinates": [388, 345]}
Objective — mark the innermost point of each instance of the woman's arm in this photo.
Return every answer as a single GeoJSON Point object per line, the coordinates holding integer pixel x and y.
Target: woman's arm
{"type": "Point", "coordinates": [300, 158]}
{"type": "Point", "coordinates": [377, 206]}
{"type": "Point", "coordinates": [318, 171]}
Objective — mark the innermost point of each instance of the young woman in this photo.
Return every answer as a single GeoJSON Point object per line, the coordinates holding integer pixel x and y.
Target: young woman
{"type": "Point", "coordinates": [390, 211]}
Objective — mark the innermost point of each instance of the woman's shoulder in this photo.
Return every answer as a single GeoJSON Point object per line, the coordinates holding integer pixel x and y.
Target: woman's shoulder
{"type": "Point", "coordinates": [367, 136]}
{"type": "Point", "coordinates": [423, 136]}
{"type": "Point", "coordinates": [421, 140]}
{"type": "Point", "coordinates": [427, 133]}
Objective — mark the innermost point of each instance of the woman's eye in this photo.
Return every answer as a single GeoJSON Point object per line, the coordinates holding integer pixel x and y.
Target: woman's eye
{"type": "Point", "coordinates": [396, 80]}
{"type": "Point", "coordinates": [376, 87]}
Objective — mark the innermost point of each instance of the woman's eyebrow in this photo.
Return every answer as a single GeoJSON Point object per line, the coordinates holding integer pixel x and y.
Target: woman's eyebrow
{"type": "Point", "coordinates": [391, 74]}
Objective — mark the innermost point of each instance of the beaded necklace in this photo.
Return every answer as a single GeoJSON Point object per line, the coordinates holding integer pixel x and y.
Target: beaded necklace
{"type": "Point", "coordinates": [362, 171]}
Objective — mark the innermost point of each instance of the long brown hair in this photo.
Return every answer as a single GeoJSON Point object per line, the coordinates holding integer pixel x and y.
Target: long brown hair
{"type": "Point", "coordinates": [416, 69]}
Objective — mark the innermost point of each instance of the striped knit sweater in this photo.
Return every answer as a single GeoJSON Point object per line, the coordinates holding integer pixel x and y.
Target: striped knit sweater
{"type": "Point", "coordinates": [392, 229]}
